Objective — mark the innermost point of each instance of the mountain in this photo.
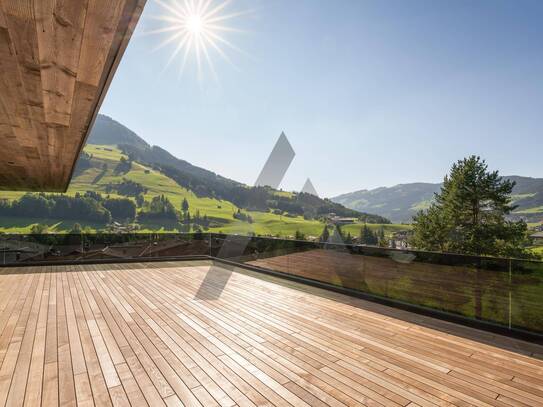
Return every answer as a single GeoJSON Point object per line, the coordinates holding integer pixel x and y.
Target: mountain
{"type": "Point", "coordinates": [107, 131]}
{"type": "Point", "coordinates": [400, 202]}
{"type": "Point", "coordinates": [207, 184]}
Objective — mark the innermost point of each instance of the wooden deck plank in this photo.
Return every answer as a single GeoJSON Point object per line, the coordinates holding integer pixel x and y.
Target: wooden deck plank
{"type": "Point", "coordinates": [138, 334]}
{"type": "Point", "coordinates": [96, 379]}
{"type": "Point", "coordinates": [33, 391]}
{"type": "Point", "coordinates": [65, 371]}
{"type": "Point", "coordinates": [173, 354]}
{"type": "Point", "coordinates": [13, 347]}
{"type": "Point", "coordinates": [20, 376]}
{"type": "Point", "coordinates": [141, 364]}
{"type": "Point", "coordinates": [50, 369]}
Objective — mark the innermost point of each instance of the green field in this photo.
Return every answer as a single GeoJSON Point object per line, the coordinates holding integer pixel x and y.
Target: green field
{"type": "Point", "coordinates": [220, 212]}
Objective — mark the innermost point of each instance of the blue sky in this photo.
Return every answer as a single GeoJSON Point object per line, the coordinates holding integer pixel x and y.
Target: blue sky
{"type": "Point", "coordinates": [369, 93]}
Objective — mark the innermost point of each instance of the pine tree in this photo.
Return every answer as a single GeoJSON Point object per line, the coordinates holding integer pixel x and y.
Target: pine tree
{"type": "Point", "coordinates": [184, 205]}
{"type": "Point", "coordinates": [367, 236]}
{"type": "Point", "coordinates": [469, 214]}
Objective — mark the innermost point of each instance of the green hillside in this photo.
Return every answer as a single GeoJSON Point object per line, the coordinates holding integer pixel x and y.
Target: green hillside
{"type": "Point", "coordinates": [156, 182]}
{"type": "Point", "coordinates": [101, 173]}
{"type": "Point", "coordinates": [97, 179]}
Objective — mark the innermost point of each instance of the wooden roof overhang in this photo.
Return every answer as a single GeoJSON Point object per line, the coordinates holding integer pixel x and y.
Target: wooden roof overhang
{"type": "Point", "coordinates": [57, 58]}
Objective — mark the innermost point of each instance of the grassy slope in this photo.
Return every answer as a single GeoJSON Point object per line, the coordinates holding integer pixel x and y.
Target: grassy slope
{"type": "Point", "coordinates": [221, 211]}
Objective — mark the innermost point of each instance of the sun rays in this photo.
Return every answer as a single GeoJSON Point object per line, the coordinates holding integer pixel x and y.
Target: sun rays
{"type": "Point", "coordinates": [197, 29]}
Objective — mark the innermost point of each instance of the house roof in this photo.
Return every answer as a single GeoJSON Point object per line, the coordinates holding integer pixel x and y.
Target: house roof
{"type": "Point", "coordinates": [56, 62]}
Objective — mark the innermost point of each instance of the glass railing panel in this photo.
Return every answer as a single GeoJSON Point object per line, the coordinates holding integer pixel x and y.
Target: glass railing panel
{"type": "Point", "coordinates": [469, 286]}
{"type": "Point", "coordinates": [17, 248]}
{"type": "Point", "coordinates": [73, 248]}
{"type": "Point", "coordinates": [501, 291]}
{"type": "Point", "coordinates": [253, 251]}
{"type": "Point", "coordinates": [526, 291]}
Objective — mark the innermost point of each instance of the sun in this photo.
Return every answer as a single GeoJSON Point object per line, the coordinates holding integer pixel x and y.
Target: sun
{"type": "Point", "coordinates": [194, 24]}
{"type": "Point", "coordinates": [197, 28]}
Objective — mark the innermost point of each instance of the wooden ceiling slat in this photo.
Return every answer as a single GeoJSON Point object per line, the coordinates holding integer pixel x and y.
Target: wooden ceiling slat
{"type": "Point", "coordinates": [98, 35]}
{"type": "Point", "coordinates": [3, 23]}
{"type": "Point", "coordinates": [57, 58]}
{"type": "Point", "coordinates": [60, 31]}
{"type": "Point", "coordinates": [21, 23]}
{"type": "Point", "coordinates": [15, 111]}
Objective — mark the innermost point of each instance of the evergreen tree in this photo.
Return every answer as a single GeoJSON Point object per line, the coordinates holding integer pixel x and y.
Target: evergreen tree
{"type": "Point", "coordinates": [367, 236]}
{"type": "Point", "coordinates": [205, 222]}
{"type": "Point", "coordinates": [469, 214]}
{"type": "Point", "coordinates": [184, 205]}
{"type": "Point", "coordinates": [381, 238]}
{"type": "Point", "coordinates": [381, 232]}
{"type": "Point", "coordinates": [140, 200]}
{"type": "Point", "coordinates": [325, 235]}
{"type": "Point", "coordinates": [299, 235]}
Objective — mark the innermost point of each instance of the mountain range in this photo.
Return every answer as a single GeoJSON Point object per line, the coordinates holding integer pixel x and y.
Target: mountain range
{"type": "Point", "coordinates": [207, 184]}
{"type": "Point", "coordinates": [117, 163]}
{"type": "Point", "coordinates": [400, 202]}
{"type": "Point", "coordinates": [397, 203]}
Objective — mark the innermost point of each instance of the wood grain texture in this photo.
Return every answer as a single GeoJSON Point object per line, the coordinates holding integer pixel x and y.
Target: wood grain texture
{"type": "Point", "coordinates": [145, 334]}
{"type": "Point", "coordinates": [57, 58]}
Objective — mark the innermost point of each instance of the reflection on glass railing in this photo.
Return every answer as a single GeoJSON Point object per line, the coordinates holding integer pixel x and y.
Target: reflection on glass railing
{"type": "Point", "coordinates": [506, 292]}
{"type": "Point", "coordinates": [88, 247]}
{"type": "Point", "coordinates": [502, 291]}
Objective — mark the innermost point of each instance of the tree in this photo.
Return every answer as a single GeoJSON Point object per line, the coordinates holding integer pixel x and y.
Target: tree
{"type": "Point", "coordinates": [122, 209]}
{"type": "Point", "coordinates": [205, 222]}
{"type": "Point", "coordinates": [367, 236]}
{"type": "Point", "coordinates": [186, 218]}
{"type": "Point", "coordinates": [381, 238]}
{"type": "Point", "coordinates": [325, 235]}
{"type": "Point", "coordinates": [185, 205]}
{"type": "Point", "coordinates": [140, 200]}
{"type": "Point", "coordinates": [161, 209]}
{"type": "Point", "coordinates": [299, 235]}
{"type": "Point", "coordinates": [469, 214]}
{"type": "Point", "coordinates": [123, 166]}
{"type": "Point", "coordinates": [127, 188]}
